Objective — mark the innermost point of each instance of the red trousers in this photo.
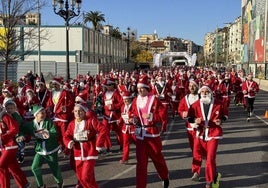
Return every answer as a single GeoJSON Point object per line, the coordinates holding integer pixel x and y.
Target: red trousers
{"type": "Point", "coordinates": [149, 147]}
{"type": "Point", "coordinates": [61, 128]}
{"type": "Point", "coordinates": [208, 150]}
{"type": "Point", "coordinates": [85, 173]}
{"type": "Point", "coordinates": [239, 97]}
{"type": "Point", "coordinates": [118, 131]}
{"type": "Point", "coordinates": [126, 142]}
{"type": "Point", "coordinates": [191, 136]}
{"type": "Point", "coordinates": [9, 165]}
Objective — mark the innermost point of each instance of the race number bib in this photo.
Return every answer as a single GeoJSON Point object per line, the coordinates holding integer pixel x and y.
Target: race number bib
{"type": "Point", "coordinates": [81, 136]}
{"type": "Point", "coordinates": [125, 118]}
{"type": "Point", "coordinates": [108, 102]}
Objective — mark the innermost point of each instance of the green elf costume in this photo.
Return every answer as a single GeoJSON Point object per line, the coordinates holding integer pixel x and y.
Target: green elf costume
{"type": "Point", "coordinates": [46, 146]}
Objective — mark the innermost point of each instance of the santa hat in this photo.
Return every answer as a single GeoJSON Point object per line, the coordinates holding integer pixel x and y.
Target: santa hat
{"type": "Point", "coordinates": [6, 83]}
{"type": "Point", "coordinates": [67, 86]}
{"type": "Point", "coordinates": [205, 87]}
{"type": "Point", "coordinates": [57, 81]}
{"type": "Point", "coordinates": [8, 102]}
{"type": "Point", "coordinates": [8, 89]}
{"type": "Point", "coordinates": [127, 95]}
{"type": "Point", "coordinates": [193, 82]}
{"type": "Point", "coordinates": [82, 84]}
{"type": "Point", "coordinates": [38, 81]}
{"type": "Point", "coordinates": [82, 106]}
{"type": "Point", "coordinates": [36, 109]}
{"type": "Point", "coordinates": [81, 98]}
{"type": "Point", "coordinates": [110, 81]}
{"type": "Point", "coordinates": [21, 80]}
{"type": "Point", "coordinates": [143, 82]}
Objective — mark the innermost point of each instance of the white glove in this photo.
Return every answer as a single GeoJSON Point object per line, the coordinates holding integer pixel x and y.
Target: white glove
{"type": "Point", "coordinates": [194, 125]}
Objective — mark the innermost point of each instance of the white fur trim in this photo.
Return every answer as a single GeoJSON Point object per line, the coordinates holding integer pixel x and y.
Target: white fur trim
{"type": "Point", "coordinates": [142, 85]}
{"type": "Point", "coordinates": [78, 98]}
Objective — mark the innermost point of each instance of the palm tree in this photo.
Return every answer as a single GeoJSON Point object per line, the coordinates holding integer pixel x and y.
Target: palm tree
{"type": "Point", "coordinates": [95, 17]}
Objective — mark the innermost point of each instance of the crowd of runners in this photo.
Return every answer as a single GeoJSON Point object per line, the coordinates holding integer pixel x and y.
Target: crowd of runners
{"type": "Point", "coordinates": [75, 118]}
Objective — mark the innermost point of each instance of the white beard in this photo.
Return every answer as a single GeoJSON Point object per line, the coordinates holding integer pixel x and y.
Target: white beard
{"type": "Point", "coordinates": [206, 99]}
{"type": "Point", "coordinates": [161, 83]}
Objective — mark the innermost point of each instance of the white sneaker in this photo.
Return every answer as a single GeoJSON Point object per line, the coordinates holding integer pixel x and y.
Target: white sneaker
{"type": "Point", "coordinates": [195, 177]}
{"type": "Point", "coordinates": [251, 114]}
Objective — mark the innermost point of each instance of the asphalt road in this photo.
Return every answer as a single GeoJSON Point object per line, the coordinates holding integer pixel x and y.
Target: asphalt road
{"type": "Point", "coordinates": [242, 156]}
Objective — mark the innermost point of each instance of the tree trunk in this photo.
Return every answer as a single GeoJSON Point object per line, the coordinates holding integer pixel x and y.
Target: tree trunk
{"type": "Point", "coordinates": [5, 71]}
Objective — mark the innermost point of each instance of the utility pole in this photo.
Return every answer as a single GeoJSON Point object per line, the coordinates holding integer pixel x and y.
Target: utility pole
{"type": "Point", "coordinates": [39, 42]}
{"type": "Point", "coordinates": [216, 47]}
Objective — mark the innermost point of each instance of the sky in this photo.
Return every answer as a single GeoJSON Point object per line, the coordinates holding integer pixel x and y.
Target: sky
{"type": "Point", "coordinates": [187, 19]}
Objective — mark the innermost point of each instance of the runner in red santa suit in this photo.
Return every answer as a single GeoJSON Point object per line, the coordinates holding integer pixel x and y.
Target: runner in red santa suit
{"type": "Point", "coordinates": [183, 109]}
{"type": "Point", "coordinates": [237, 87]}
{"type": "Point", "coordinates": [80, 137]}
{"type": "Point", "coordinates": [128, 129]}
{"type": "Point", "coordinates": [148, 111]}
{"type": "Point", "coordinates": [60, 107]}
{"type": "Point", "coordinates": [28, 101]}
{"type": "Point", "coordinates": [42, 92]}
{"type": "Point", "coordinates": [122, 85]}
{"type": "Point", "coordinates": [21, 90]}
{"type": "Point", "coordinates": [250, 88]}
{"type": "Point", "coordinates": [207, 115]}
{"type": "Point", "coordinates": [163, 92]}
{"type": "Point", "coordinates": [175, 97]}
{"type": "Point", "coordinates": [8, 94]}
{"type": "Point", "coordinates": [9, 128]}
{"type": "Point", "coordinates": [112, 101]}
{"type": "Point", "coordinates": [225, 90]}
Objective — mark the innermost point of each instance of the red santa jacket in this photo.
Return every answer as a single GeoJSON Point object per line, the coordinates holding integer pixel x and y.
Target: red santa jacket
{"type": "Point", "coordinates": [126, 113]}
{"type": "Point", "coordinates": [85, 150]}
{"type": "Point", "coordinates": [116, 101]}
{"type": "Point", "coordinates": [207, 129]}
{"type": "Point", "coordinates": [184, 106]}
{"type": "Point", "coordinates": [250, 88]}
{"type": "Point", "coordinates": [176, 93]}
{"type": "Point", "coordinates": [158, 115]}
{"type": "Point", "coordinates": [27, 106]}
{"type": "Point", "coordinates": [9, 128]}
{"type": "Point", "coordinates": [97, 89]}
{"type": "Point", "coordinates": [161, 92]}
{"type": "Point", "coordinates": [45, 99]}
{"type": "Point", "coordinates": [64, 107]}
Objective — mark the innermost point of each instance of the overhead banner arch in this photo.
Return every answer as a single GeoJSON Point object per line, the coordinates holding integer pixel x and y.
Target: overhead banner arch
{"type": "Point", "coordinates": [158, 57]}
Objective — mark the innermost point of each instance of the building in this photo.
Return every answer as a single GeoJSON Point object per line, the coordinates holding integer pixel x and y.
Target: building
{"type": "Point", "coordinates": [33, 18]}
{"type": "Point", "coordinates": [234, 49]}
{"type": "Point", "coordinates": [254, 49]}
{"type": "Point", "coordinates": [85, 45]}
{"type": "Point", "coordinates": [27, 19]}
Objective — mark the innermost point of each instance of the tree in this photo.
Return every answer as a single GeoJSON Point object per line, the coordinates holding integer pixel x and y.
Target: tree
{"type": "Point", "coordinates": [95, 17]}
{"type": "Point", "coordinates": [13, 34]}
{"type": "Point", "coordinates": [144, 56]}
{"type": "Point", "coordinates": [115, 32]}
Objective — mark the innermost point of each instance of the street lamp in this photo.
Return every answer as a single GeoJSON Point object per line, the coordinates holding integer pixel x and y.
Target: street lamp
{"type": "Point", "coordinates": [147, 44]}
{"type": "Point", "coordinates": [128, 42]}
{"type": "Point", "coordinates": [67, 14]}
